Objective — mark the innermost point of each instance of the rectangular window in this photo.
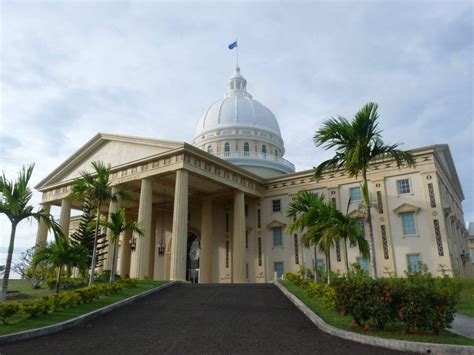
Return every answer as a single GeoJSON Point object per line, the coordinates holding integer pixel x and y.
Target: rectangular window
{"type": "Point", "coordinates": [355, 193]}
{"type": "Point", "coordinates": [403, 186]}
{"type": "Point", "coordinates": [246, 239]}
{"type": "Point", "coordinates": [278, 267]}
{"type": "Point", "coordinates": [227, 252]}
{"type": "Point", "coordinates": [276, 205]}
{"type": "Point", "coordinates": [247, 271]}
{"type": "Point", "coordinates": [259, 247]}
{"type": "Point", "coordinates": [360, 224]}
{"type": "Point", "coordinates": [409, 225]}
{"type": "Point", "coordinates": [363, 264]}
{"type": "Point", "coordinates": [277, 237]}
{"type": "Point", "coordinates": [413, 261]}
{"type": "Point", "coordinates": [246, 210]}
{"type": "Point", "coordinates": [320, 265]}
{"type": "Point", "coordinates": [297, 256]}
{"type": "Point", "coordinates": [259, 218]}
{"type": "Point", "coordinates": [227, 220]}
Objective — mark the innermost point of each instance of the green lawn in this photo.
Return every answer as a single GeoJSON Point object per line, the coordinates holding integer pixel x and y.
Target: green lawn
{"type": "Point", "coordinates": [22, 322]}
{"type": "Point", "coordinates": [466, 304]}
{"type": "Point", "coordinates": [21, 290]}
{"type": "Point", "coordinates": [392, 332]}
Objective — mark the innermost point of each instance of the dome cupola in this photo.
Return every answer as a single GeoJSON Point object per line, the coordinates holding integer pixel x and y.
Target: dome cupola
{"type": "Point", "coordinates": [240, 129]}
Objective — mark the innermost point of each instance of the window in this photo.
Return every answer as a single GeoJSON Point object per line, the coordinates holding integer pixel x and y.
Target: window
{"type": "Point", "coordinates": [276, 205]}
{"type": "Point", "coordinates": [413, 261]}
{"type": "Point", "coordinates": [259, 218]}
{"type": "Point", "coordinates": [320, 265]}
{"type": "Point", "coordinates": [246, 149]}
{"type": "Point", "coordinates": [363, 264]}
{"type": "Point", "coordinates": [247, 271]}
{"type": "Point", "coordinates": [278, 268]}
{"type": "Point", "coordinates": [360, 224]}
{"type": "Point", "coordinates": [227, 220]}
{"type": "Point", "coordinates": [355, 193]}
{"type": "Point", "coordinates": [226, 149]}
{"type": "Point", "coordinates": [403, 186]}
{"type": "Point", "coordinates": [264, 149]}
{"type": "Point", "coordinates": [409, 225]}
{"type": "Point", "coordinates": [246, 210]}
{"type": "Point", "coordinates": [209, 149]}
{"type": "Point", "coordinates": [246, 239]}
{"type": "Point", "coordinates": [259, 247]}
{"type": "Point", "coordinates": [277, 237]}
{"type": "Point", "coordinates": [297, 257]}
{"type": "Point", "coordinates": [227, 252]}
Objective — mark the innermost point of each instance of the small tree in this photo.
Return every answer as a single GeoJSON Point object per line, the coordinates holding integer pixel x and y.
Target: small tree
{"type": "Point", "coordinates": [117, 225]}
{"type": "Point", "coordinates": [59, 254]}
{"type": "Point", "coordinates": [95, 188]}
{"type": "Point", "coordinates": [14, 203]}
{"type": "Point", "coordinates": [24, 267]}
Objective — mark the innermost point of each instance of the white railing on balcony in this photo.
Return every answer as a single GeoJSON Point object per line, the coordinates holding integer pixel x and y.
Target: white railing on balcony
{"type": "Point", "coordinates": [255, 156]}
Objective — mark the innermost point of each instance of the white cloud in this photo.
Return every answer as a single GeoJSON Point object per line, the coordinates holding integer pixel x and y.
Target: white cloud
{"type": "Point", "coordinates": [69, 70]}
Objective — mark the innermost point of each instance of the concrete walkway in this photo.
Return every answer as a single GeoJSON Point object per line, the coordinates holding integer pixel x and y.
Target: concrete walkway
{"type": "Point", "coordinates": [463, 325]}
{"type": "Point", "coordinates": [200, 319]}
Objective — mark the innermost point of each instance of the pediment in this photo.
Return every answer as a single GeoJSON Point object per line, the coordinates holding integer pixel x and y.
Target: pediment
{"type": "Point", "coordinates": [276, 224]}
{"type": "Point", "coordinates": [111, 149]}
{"type": "Point", "coordinates": [406, 208]}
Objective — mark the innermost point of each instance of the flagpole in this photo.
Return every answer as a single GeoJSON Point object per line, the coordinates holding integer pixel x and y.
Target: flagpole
{"type": "Point", "coordinates": [237, 53]}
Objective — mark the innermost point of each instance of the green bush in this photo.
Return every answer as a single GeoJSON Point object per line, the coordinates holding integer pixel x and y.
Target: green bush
{"type": "Point", "coordinates": [8, 310]}
{"type": "Point", "coordinates": [421, 302]}
{"type": "Point", "coordinates": [34, 308]}
{"type": "Point", "coordinates": [69, 299]}
{"type": "Point", "coordinates": [129, 283]}
{"type": "Point", "coordinates": [323, 293]}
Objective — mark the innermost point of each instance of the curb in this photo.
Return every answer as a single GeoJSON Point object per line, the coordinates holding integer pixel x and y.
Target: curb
{"type": "Point", "coordinates": [54, 328]}
{"type": "Point", "coordinates": [401, 345]}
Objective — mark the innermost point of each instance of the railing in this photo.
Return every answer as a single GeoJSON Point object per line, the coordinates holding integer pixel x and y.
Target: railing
{"type": "Point", "coordinates": [255, 156]}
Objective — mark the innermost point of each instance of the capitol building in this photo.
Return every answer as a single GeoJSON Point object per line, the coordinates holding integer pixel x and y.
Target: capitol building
{"type": "Point", "coordinates": [215, 210]}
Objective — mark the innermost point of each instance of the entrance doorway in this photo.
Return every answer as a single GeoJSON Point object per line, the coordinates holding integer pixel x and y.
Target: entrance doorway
{"type": "Point", "coordinates": [192, 260]}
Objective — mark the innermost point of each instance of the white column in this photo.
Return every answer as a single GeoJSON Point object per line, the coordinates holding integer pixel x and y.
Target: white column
{"type": "Point", "coordinates": [238, 245]}
{"type": "Point", "coordinates": [113, 207]}
{"type": "Point", "coordinates": [125, 254]}
{"type": "Point", "coordinates": [65, 216]}
{"type": "Point", "coordinates": [42, 234]}
{"type": "Point", "coordinates": [140, 257]}
{"type": "Point", "coordinates": [180, 227]}
{"type": "Point", "coordinates": [205, 263]}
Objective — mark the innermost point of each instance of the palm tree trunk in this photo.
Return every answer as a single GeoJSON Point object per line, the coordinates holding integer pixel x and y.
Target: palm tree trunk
{"type": "Point", "coordinates": [8, 264]}
{"type": "Point", "coordinates": [346, 256]}
{"type": "Point", "coordinates": [58, 279]}
{"type": "Point", "coordinates": [94, 248]}
{"type": "Point", "coordinates": [112, 269]}
{"type": "Point", "coordinates": [328, 267]}
{"type": "Point", "coordinates": [368, 221]}
{"type": "Point", "coordinates": [315, 265]}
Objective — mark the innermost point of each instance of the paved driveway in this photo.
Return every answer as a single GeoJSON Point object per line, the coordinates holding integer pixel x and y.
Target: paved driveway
{"type": "Point", "coordinates": [201, 319]}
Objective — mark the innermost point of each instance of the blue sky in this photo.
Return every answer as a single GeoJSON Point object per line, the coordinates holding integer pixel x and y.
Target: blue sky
{"type": "Point", "coordinates": [71, 69]}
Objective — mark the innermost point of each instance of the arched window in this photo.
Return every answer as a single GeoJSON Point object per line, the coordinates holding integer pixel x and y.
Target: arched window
{"type": "Point", "coordinates": [209, 149]}
{"type": "Point", "coordinates": [276, 152]}
{"type": "Point", "coordinates": [264, 150]}
{"type": "Point", "coordinates": [246, 148]}
{"type": "Point", "coordinates": [226, 149]}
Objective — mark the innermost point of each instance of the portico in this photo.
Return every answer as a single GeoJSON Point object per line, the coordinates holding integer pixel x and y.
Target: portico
{"type": "Point", "coordinates": [173, 194]}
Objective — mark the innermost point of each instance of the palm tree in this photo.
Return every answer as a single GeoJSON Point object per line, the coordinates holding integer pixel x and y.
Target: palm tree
{"type": "Point", "coordinates": [358, 143]}
{"type": "Point", "coordinates": [59, 254]}
{"type": "Point", "coordinates": [314, 217]}
{"type": "Point", "coordinates": [14, 200]}
{"type": "Point", "coordinates": [117, 225]}
{"type": "Point", "coordinates": [95, 188]}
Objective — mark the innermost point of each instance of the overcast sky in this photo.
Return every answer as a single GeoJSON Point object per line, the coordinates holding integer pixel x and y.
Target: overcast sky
{"type": "Point", "coordinates": [72, 69]}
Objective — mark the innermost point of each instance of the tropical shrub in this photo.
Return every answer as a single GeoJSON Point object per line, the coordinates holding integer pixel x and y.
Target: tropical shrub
{"type": "Point", "coordinates": [34, 308]}
{"type": "Point", "coordinates": [322, 292]}
{"type": "Point", "coordinates": [69, 299]}
{"type": "Point", "coordinates": [8, 310]}
{"type": "Point", "coordinates": [129, 283]}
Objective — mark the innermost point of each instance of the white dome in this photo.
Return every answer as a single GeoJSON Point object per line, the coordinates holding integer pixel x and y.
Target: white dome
{"type": "Point", "coordinates": [237, 109]}
{"type": "Point", "coordinates": [241, 130]}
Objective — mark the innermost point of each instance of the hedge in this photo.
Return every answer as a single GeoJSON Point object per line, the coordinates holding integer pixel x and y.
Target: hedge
{"type": "Point", "coordinates": [66, 299]}
{"type": "Point", "coordinates": [420, 302]}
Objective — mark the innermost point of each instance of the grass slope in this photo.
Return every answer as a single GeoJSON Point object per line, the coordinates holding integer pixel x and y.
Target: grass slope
{"type": "Point", "coordinates": [391, 332]}
{"type": "Point", "coordinates": [23, 322]}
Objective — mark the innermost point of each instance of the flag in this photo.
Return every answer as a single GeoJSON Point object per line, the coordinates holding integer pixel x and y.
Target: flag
{"type": "Point", "coordinates": [233, 45]}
